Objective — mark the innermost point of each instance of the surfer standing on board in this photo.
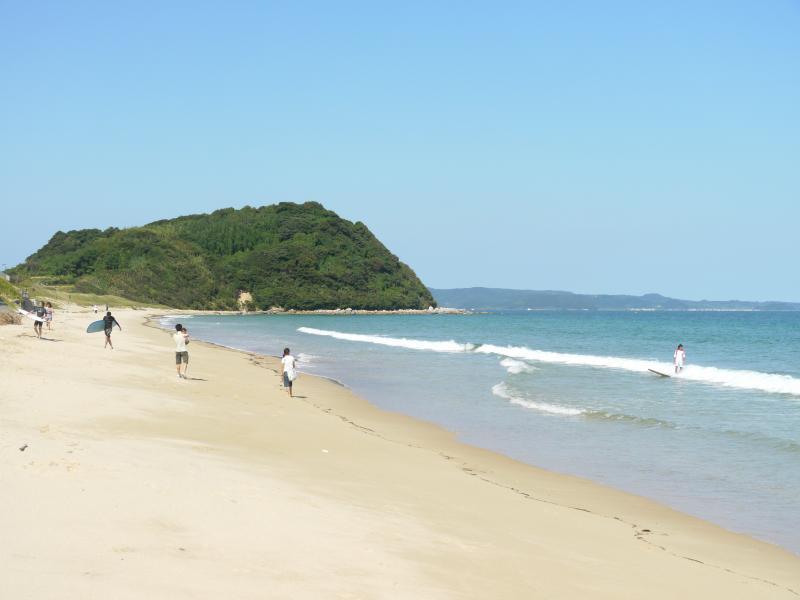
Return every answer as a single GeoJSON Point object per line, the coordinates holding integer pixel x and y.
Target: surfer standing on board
{"type": "Point", "coordinates": [680, 358]}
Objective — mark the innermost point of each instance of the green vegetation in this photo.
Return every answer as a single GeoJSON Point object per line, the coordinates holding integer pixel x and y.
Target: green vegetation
{"type": "Point", "coordinates": [8, 293]}
{"type": "Point", "coordinates": [60, 295]}
{"type": "Point", "coordinates": [298, 256]}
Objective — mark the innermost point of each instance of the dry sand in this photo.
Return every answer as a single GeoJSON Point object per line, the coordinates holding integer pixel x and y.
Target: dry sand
{"type": "Point", "coordinates": [136, 484]}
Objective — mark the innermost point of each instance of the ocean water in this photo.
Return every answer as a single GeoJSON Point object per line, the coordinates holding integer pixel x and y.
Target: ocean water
{"type": "Point", "coordinates": [571, 392]}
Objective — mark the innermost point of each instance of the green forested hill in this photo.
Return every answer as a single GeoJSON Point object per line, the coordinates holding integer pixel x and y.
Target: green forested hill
{"type": "Point", "coordinates": [291, 255]}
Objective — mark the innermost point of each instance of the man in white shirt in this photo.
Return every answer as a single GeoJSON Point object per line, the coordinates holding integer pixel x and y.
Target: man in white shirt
{"type": "Point", "coordinates": [679, 358]}
{"type": "Point", "coordinates": [181, 338]}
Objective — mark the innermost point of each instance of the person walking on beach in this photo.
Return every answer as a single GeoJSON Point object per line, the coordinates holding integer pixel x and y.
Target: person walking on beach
{"type": "Point", "coordinates": [41, 313]}
{"type": "Point", "coordinates": [289, 370]}
{"type": "Point", "coordinates": [181, 338]}
{"type": "Point", "coordinates": [94, 308]}
{"type": "Point", "coordinates": [48, 316]}
{"type": "Point", "coordinates": [108, 324]}
{"type": "Point", "coordinates": [679, 358]}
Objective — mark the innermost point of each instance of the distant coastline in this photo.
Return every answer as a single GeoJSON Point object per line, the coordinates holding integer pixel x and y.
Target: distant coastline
{"type": "Point", "coordinates": [482, 298]}
{"type": "Point", "coordinates": [331, 311]}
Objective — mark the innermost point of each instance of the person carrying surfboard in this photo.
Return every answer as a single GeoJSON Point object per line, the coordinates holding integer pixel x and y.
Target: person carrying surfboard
{"type": "Point", "coordinates": [108, 324]}
{"type": "Point", "coordinates": [37, 324]}
{"type": "Point", "coordinates": [679, 358]}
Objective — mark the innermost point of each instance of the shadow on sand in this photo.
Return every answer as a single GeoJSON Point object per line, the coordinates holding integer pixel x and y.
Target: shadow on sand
{"type": "Point", "coordinates": [28, 335]}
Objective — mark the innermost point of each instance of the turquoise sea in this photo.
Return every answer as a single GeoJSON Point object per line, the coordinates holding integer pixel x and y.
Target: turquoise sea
{"type": "Point", "coordinates": [570, 391]}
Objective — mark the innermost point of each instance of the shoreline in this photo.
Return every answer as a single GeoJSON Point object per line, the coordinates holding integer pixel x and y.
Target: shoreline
{"type": "Point", "coordinates": [500, 452]}
{"type": "Point", "coordinates": [448, 519]}
{"type": "Point", "coordinates": [340, 312]}
{"type": "Point", "coordinates": [153, 322]}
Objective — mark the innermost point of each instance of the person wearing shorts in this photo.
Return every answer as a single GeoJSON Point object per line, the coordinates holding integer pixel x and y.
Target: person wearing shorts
{"type": "Point", "coordinates": [41, 315]}
{"type": "Point", "coordinates": [181, 338]}
{"type": "Point", "coordinates": [48, 316]}
{"type": "Point", "coordinates": [289, 372]}
{"type": "Point", "coordinates": [108, 324]}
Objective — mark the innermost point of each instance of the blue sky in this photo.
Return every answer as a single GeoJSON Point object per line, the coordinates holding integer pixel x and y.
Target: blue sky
{"type": "Point", "coordinates": [615, 147]}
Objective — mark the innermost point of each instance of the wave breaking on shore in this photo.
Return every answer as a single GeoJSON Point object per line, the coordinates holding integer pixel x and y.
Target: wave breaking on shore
{"type": "Point", "coordinates": [733, 378]}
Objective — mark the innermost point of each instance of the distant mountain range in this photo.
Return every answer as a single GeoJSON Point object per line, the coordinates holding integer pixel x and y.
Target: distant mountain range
{"type": "Point", "coordinates": [481, 298]}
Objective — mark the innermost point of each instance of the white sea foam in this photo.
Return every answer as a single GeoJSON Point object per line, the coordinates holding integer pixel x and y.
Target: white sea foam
{"type": "Point", "coordinates": [515, 367]}
{"type": "Point", "coordinates": [733, 378]}
{"type": "Point", "coordinates": [450, 346]}
{"type": "Point", "coordinates": [501, 390]}
{"type": "Point", "coordinates": [768, 382]}
{"type": "Point", "coordinates": [587, 360]}
{"type": "Point", "coordinates": [306, 359]}
{"type": "Point", "coordinates": [172, 319]}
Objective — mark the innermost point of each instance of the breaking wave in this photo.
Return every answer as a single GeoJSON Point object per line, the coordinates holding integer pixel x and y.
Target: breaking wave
{"type": "Point", "coordinates": [433, 346]}
{"type": "Point", "coordinates": [501, 390]}
{"type": "Point", "coordinates": [306, 359]}
{"type": "Point", "coordinates": [733, 378]}
{"type": "Point", "coordinates": [515, 367]}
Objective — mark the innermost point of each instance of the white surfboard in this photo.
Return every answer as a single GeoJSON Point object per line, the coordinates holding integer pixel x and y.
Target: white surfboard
{"type": "Point", "coordinates": [29, 315]}
{"type": "Point", "coordinates": [659, 373]}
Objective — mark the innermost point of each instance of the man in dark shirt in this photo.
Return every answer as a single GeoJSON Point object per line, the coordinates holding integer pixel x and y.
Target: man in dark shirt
{"type": "Point", "coordinates": [108, 324]}
{"type": "Point", "coordinates": [37, 325]}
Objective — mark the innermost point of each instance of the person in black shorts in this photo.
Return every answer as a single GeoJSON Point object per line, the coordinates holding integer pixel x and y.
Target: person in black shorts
{"type": "Point", "coordinates": [108, 324]}
{"type": "Point", "coordinates": [40, 312]}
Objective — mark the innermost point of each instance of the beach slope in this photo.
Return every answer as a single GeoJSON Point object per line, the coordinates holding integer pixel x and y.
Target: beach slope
{"type": "Point", "coordinates": [120, 480]}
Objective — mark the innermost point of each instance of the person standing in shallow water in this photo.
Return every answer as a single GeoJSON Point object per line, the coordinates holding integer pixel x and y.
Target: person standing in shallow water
{"type": "Point", "coordinates": [108, 324]}
{"type": "Point", "coordinates": [289, 370]}
{"type": "Point", "coordinates": [679, 358]}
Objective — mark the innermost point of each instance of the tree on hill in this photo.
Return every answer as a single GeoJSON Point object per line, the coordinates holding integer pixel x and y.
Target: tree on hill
{"type": "Point", "coordinates": [291, 255]}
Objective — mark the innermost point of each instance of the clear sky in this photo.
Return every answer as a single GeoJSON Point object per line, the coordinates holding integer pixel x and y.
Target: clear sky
{"type": "Point", "coordinates": [602, 147]}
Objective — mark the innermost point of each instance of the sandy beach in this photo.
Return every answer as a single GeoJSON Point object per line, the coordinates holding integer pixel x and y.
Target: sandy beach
{"type": "Point", "coordinates": [120, 480]}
